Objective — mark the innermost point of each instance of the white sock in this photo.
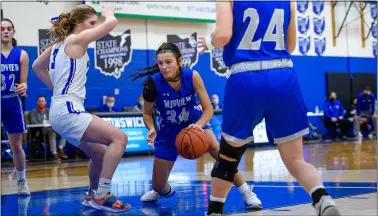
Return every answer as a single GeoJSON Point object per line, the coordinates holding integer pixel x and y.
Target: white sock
{"type": "Point", "coordinates": [243, 188]}
{"type": "Point", "coordinates": [104, 187]}
{"type": "Point", "coordinates": [21, 175]}
{"type": "Point", "coordinates": [217, 199]}
{"type": "Point", "coordinates": [315, 188]}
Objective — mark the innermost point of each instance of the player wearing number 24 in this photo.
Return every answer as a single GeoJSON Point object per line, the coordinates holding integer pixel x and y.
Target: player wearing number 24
{"type": "Point", "coordinates": [257, 39]}
{"type": "Point", "coordinates": [173, 90]}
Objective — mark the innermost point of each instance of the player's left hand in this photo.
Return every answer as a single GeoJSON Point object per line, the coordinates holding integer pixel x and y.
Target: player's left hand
{"type": "Point", "coordinates": [196, 126]}
{"type": "Point", "coordinates": [201, 43]}
{"type": "Point", "coordinates": [21, 89]}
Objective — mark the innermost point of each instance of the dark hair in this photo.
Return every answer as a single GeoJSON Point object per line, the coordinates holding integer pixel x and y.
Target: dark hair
{"type": "Point", "coordinates": [65, 22]}
{"type": "Point", "coordinates": [41, 96]}
{"type": "Point", "coordinates": [367, 88]}
{"type": "Point", "coordinates": [149, 71]}
{"type": "Point", "coordinates": [329, 94]}
{"type": "Point", "coordinates": [14, 41]}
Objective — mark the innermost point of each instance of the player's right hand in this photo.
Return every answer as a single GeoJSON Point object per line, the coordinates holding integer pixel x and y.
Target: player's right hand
{"type": "Point", "coordinates": [151, 136]}
{"type": "Point", "coordinates": [107, 12]}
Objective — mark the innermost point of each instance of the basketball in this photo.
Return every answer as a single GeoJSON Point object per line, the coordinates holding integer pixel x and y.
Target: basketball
{"type": "Point", "coordinates": [192, 143]}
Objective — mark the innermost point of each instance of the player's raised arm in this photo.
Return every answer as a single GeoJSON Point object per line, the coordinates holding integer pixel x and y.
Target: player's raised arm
{"type": "Point", "coordinates": [291, 39]}
{"type": "Point", "coordinates": [89, 35]}
{"type": "Point", "coordinates": [223, 28]}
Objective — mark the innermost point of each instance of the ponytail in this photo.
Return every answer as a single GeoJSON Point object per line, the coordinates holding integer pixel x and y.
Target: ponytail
{"type": "Point", "coordinates": [14, 42]}
{"type": "Point", "coordinates": [149, 71]}
{"type": "Point", "coordinates": [62, 27]}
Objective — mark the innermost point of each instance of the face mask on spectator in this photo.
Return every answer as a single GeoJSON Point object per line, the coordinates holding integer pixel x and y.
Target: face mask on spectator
{"type": "Point", "coordinates": [332, 99]}
{"type": "Point", "coordinates": [216, 101]}
{"type": "Point", "coordinates": [110, 104]}
{"type": "Point", "coordinates": [141, 102]}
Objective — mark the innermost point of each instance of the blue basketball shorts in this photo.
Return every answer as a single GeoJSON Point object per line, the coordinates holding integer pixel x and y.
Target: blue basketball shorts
{"type": "Point", "coordinates": [165, 143]}
{"type": "Point", "coordinates": [272, 94]}
{"type": "Point", "coordinates": [12, 115]}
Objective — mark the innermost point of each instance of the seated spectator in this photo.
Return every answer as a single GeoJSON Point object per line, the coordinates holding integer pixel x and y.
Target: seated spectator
{"type": "Point", "coordinates": [350, 115]}
{"type": "Point", "coordinates": [215, 101]}
{"type": "Point", "coordinates": [109, 105]}
{"type": "Point", "coordinates": [334, 116]}
{"type": "Point", "coordinates": [366, 107]}
{"type": "Point", "coordinates": [40, 115]}
{"type": "Point", "coordinates": [138, 107]}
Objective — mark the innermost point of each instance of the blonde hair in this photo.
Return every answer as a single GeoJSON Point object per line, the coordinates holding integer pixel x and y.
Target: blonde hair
{"type": "Point", "coordinates": [65, 23]}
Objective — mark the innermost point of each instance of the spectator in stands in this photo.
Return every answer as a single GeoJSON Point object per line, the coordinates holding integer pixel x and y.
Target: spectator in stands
{"type": "Point", "coordinates": [350, 115]}
{"type": "Point", "coordinates": [215, 101]}
{"type": "Point", "coordinates": [366, 107]}
{"type": "Point", "coordinates": [109, 105]}
{"type": "Point", "coordinates": [40, 115]}
{"type": "Point", "coordinates": [140, 104]}
{"type": "Point", "coordinates": [334, 116]}
{"type": "Point", "coordinates": [138, 107]}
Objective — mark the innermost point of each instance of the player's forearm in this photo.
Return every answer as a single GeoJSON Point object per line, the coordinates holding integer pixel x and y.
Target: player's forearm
{"type": "Point", "coordinates": [206, 116]}
{"type": "Point", "coordinates": [148, 121]}
{"type": "Point", "coordinates": [43, 75]}
{"type": "Point", "coordinates": [220, 39]}
{"type": "Point", "coordinates": [23, 77]}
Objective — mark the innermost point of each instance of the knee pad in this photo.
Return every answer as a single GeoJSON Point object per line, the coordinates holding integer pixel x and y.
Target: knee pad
{"type": "Point", "coordinates": [225, 169]}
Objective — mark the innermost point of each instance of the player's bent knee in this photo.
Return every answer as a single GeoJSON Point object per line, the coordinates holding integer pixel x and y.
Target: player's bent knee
{"type": "Point", "coordinates": [121, 139]}
{"type": "Point", "coordinates": [223, 168]}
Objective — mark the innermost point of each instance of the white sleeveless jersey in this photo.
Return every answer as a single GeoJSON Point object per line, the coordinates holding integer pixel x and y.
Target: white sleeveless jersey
{"type": "Point", "coordinates": [68, 75]}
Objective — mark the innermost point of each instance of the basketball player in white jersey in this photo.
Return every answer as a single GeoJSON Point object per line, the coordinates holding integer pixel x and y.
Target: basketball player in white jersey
{"type": "Point", "coordinates": [63, 68]}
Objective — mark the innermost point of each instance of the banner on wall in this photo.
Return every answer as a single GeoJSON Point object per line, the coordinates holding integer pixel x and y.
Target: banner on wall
{"type": "Point", "coordinates": [320, 42]}
{"type": "Point", "coordinates": [217, 63]}
{"type": "Point", "coordinates": [44, 40]}
{"type": "Point", "coordinates": [113, 53]}
{"type": "Point", "coordinates": [184, 10]}
{"type": "Point", "coordinates": [188, 48]}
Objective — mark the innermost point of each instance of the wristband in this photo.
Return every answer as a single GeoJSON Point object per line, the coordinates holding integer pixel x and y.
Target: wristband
{"type": "Point", "coordinates": [209, 45]}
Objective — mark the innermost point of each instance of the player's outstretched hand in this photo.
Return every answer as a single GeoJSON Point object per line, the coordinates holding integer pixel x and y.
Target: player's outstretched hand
{"type": "Point", "coordinates": [201, 43]}
{"type": "Point", "coordinates": [107, 12]}
{"type": "Point", "coordinates": [151, 136]}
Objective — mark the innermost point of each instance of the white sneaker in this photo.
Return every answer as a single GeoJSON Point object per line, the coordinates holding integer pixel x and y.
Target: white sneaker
{"type": "Point", "coordinates": [150, 196]}
{"type": "Point", "coordinates": [23, 188]}
{"type": "Point", "coordinates": [153, 196]}
{"type": "Point", "coordinates": [251, 202]}
{"type": "Point", "coordinates": [326, 207]}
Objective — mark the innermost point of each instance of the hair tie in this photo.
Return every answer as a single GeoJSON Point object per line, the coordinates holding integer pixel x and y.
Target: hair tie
{"type": "Point", "coordinates": [54, 18]}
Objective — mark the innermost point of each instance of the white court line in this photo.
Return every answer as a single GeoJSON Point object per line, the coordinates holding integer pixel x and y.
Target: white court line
{"type": "Point", "coordinates": [267, 186]}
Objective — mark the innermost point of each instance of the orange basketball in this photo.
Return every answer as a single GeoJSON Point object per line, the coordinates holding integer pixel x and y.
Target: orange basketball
{"type": "Point", "coordinates": [192, 143]}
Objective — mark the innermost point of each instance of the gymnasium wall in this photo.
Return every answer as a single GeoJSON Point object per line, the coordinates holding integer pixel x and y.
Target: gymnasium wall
{"type": "Point", "coordinates": [314, 56]}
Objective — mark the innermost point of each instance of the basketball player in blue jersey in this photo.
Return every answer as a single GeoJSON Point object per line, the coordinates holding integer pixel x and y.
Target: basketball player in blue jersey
{"type": "Point", "coordinates": [258, 38]}
{"type": "Point", "coordinates": [173, 89]}
{"type": "Point", "coordinates": [63, 68]}
{"type": "Point", "coordinates": [14, 73]}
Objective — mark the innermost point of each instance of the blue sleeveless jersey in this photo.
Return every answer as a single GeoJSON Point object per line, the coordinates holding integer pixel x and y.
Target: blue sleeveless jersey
{"type": "Point", "coordinates": [259, 31]}
{"type": "Point", "coordinates": [10, 71]}
{"type": "Point", "coordinates": [177, 108]}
